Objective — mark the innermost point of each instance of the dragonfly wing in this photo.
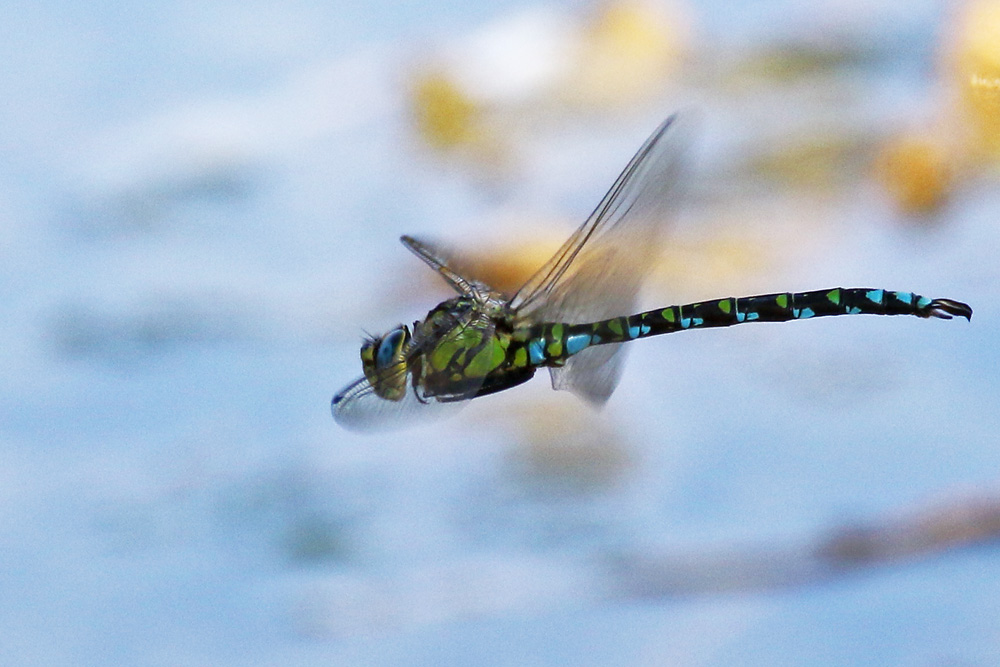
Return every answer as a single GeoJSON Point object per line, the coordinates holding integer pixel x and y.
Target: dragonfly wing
{"type": "Point", "coordinates": [598, 272]}
{"type": "Point", "coordinates": [456, 272]}
{"type": "Point", "coordinates": [592, 374]}
{"type": "Point", "coordinates": [358, 407]}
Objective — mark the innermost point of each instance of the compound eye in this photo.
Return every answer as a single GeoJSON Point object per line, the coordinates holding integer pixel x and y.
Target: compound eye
{"type": "Point", "coordinates": [388, 348]}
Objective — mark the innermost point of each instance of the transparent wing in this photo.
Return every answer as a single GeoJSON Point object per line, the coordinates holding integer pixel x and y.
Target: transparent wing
{"type": "Point", "coordinates": [598, 272]}
{"type": "Point", "coordinates": [458, 273]}
{"type": "Point", "coordinates": [358, 408]}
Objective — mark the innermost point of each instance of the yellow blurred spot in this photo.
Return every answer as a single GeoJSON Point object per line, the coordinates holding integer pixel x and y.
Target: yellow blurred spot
{"type": "Point", "coordinates": [916, 172]}
{"type": "Point", "coordinates": [628, 49]}
{"type": "Point", "coordinates": [567, 445]}
{"type": "Point", "coordinates": [444, 115]}
{"type": "Point", "coordinates": [689, 267]}
{"type": "Point", "coordinates": [989, 86]}
{"type": "Point", "coordinates": [787, 63]}
{"type": "Point", "coordinates": [507, 268]}
{"type": "Point", "coordinates": [976, 46]}
{"type": "Point", "coordinates": [819, 160]}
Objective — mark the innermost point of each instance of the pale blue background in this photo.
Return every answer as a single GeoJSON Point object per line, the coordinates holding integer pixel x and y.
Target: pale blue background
{"type": "Point", "coordinates": [199, 203]}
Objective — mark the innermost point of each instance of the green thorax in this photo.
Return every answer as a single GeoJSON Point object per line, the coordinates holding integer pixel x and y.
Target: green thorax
{"type": "Point", "coordinates": [466, 347]}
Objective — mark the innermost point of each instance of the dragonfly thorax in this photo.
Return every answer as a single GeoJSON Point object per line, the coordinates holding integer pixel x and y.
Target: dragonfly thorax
{"type": "Point", "coordinates": [457, 311]}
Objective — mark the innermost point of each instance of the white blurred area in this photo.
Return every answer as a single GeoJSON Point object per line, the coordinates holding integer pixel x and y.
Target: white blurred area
{"type": "Point", "coordinates": [199, 212]}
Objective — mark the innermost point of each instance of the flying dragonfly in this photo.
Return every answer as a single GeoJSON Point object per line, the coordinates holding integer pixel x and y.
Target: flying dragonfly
{"type": "Point", "coordinates": [574, 313]}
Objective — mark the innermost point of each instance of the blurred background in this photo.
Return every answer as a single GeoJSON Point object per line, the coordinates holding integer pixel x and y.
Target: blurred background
{"type": "Point", "coordinates": [199, 211]}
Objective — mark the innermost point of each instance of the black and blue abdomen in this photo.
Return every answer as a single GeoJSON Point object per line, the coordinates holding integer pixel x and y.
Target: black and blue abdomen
{"type": "Point", "coordinates": [551, 344]}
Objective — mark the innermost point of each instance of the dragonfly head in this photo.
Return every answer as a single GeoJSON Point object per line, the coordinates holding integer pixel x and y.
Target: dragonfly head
{"type": "Point", "coordinates": [384, 363]}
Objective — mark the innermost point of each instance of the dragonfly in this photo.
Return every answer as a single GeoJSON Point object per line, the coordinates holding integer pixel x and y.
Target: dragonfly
{"type": "Point", "coordinates": [575, 313]}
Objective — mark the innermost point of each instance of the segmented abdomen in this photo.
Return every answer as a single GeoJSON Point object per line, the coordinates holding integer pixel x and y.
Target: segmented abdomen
{"type": "Point", "coordinates": [553, 343]}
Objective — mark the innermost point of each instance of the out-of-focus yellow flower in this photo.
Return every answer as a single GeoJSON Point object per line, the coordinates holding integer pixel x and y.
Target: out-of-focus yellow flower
{"type": "Point", "coordinates": [444, 114]}
{"type": "Point", "coordinates": [916, 171]}
{"type": "Point", "coordinates": [542, 60]}
{"type": "Point", "coordinates": [627, 50]}
{"type": "Point", "coordinates": [976, 52]}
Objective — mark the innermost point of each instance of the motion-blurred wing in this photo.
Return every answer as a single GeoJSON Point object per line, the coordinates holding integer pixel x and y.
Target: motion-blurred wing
{"type": "Point", "coordinates": [598, 272]}
{"type": "Point", "coordinates": [358, 408]}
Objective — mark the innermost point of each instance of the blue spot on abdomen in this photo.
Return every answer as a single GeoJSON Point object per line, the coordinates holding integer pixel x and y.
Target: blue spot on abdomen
{"type": "Point", "coordinates": [536, 351]}
{"type": "Point", "coordinates": [577, 342]}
